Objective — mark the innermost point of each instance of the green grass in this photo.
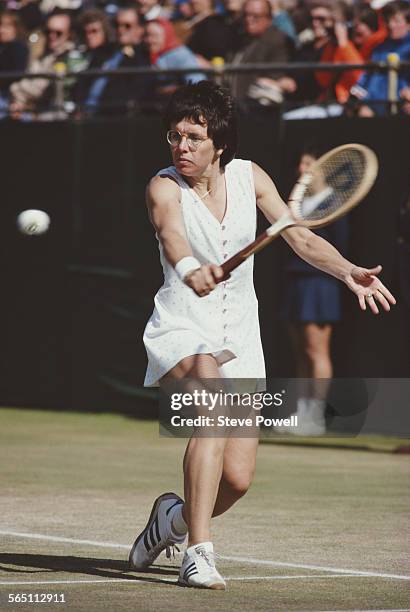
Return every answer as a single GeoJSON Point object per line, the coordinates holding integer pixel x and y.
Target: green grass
{"type": "Point", "coordinates": [93, 477]}
{"type": "Point", "coordinates": [375, 443]}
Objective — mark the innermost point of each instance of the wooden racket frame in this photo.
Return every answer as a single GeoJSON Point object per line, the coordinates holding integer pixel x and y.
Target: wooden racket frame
{"type": "Point", "coordinates": [291, 218]}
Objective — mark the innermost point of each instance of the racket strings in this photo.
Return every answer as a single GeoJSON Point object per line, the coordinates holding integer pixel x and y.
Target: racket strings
{"type": "Point", "coordinates": [333, 184]}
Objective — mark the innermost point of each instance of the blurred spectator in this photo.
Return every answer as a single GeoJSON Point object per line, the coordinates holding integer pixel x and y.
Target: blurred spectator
{"type": "Point", "coordinates": [210, 34]}
{"type": "Point", "coordinates": [233, 17]}
{"type": "Point", "coordinates": [282, 20]}
{"type": "Point", "coordinates": [29, 13]}
{"type": "Point", "coordinates": [311, 307]}
{"type": "Point", "coordinates": [108, 94]}
{"type": "Point", "coordinates": [330, 44]}
{"type": "Point", "coordinates": [167, 51]}
{"type": "Point", "coordinates": [233, 9]}
{"type": "Point", "coordinates": [94, 29]}
{"type": "Point", "coordinates": [37, 94]}
{"type": "Point", "coordinates": [13, 52]}
{"type": "Point", "coordinates": [373, 87]}
{"type": "Point", "coordinates": [301, 21]}
{"type": "Point", "coordinates": [260, 42]}
{"type": "Point", "coordinates": [151, 9]}
{"type": "Point", "coordinates": [49, 6]}
{"type": "Point", "coordinates": [369, 30]}
{"type": "Point", "coordinates": [405, 97]}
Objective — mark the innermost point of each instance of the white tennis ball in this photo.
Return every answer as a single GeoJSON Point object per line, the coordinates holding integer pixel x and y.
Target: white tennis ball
{"type": "Point", "coordinates": [33, 222]}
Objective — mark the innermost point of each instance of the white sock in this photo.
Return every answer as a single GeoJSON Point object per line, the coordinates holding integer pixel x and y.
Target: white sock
{"type": "Point", "coordinates": [178, 524]}
{"type": "Point", "coordinates": [302, 407]}
{"type": "Point", "coordinates": [206, 546]}
{"type": "Point", "coordinates": [317, 408]}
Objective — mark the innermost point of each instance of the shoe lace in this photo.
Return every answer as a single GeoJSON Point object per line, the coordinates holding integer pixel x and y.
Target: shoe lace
{"type": "Point", "coordinates": [170, 550]}
{"type": "Point", "coordinates": [209, 557]}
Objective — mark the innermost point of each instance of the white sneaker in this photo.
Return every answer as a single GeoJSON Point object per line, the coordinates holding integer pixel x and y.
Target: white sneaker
{"type": "Point", "coordinates": [198, 568]}
{"type": "Point", "coordinates": [311, 420]}
{"type": "Point", "coordinates": [157, 534]}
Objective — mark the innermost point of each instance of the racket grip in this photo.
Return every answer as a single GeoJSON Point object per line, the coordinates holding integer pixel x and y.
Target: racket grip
{"type": "Point", "coordinates": [230, 265]}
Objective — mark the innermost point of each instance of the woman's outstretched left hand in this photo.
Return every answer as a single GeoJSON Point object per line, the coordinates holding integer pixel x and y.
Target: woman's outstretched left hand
{"type": "Point", "coordinates": [369, 289]}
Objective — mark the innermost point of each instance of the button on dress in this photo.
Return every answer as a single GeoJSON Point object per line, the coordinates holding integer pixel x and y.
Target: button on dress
{"type": "Point", "coordinates": [225, 323]}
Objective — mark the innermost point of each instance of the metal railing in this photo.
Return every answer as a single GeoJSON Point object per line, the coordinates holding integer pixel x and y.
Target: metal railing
{"type": "Point", "coordinates": [393, 66]}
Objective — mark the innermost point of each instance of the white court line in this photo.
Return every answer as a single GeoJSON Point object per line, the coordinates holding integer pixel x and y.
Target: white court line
{"type": "Point", "coordinates": [299, 577]}
{"type": "Point", "coordinates": [39, 536]}
{"type": "Point", "coordinates": [149, 579]}
{"type": "Point", "coordinates": [247, 560]}
{"type": "Point", "coordinates": [103, 581]}
{"type": "Point", "coordinates": [319, 568]}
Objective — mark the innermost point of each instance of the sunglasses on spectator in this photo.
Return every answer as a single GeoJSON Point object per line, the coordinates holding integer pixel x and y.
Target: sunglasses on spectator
{"type": "Point", "coordinates": [92, 30]}
{"type": "Point", "coordinates": [57, 33]}
{"type": "Point", "coordinates": [124, 24]}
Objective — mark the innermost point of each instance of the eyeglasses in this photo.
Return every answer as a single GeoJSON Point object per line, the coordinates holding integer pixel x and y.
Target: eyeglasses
{"type": "Point", "coordinates": [57, 33]}
{"type": "Point", "coordinates": [175, 138]}
{"type": "Point", "coordinates": [255, 16]}
{"type": "Point", "coordinates": [321, 18]}
{"type": "Point", "coordinates": [124, 24]}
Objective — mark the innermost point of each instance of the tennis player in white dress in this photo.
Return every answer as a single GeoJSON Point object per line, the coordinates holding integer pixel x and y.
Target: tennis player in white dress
{"type": "Point", "coordinates": [225, 323]}
{"type": "Point", "coordinates": [203, 209]}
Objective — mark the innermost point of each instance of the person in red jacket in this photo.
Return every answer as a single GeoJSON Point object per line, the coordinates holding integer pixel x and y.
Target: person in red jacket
{"type": "Point", "coordinates": [369, 30]}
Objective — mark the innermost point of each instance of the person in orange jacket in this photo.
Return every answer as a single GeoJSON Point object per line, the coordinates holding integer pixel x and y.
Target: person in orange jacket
{"type": "Point", "coordinates": [330, 43]}
{"type": "Point", "coordinates": [331, 27]}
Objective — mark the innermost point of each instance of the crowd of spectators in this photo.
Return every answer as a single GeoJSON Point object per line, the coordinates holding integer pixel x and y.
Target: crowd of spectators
{"type": "Point", "coordinates": [71, 36]}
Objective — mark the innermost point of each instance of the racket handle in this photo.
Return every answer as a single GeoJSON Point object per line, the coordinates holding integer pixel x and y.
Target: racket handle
{"type": "Point", "coordinates": [238, 259]}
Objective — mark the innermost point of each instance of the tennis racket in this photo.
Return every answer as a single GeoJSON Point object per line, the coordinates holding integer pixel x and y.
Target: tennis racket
{"type": "Point", "coordinates": [334, 184]}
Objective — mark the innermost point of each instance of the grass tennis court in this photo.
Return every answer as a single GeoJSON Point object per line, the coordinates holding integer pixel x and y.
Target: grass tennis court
{"type": "Point", "coordinates": [321, 529]}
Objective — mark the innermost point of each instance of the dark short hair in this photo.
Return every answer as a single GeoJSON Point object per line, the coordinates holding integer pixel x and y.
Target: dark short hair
{"type": "Point", "coordinates": [207, 104]}
{"type": "Point", "coordinates": [368, 16]}
{"type": "Point", "coordinates": [312, 149]}
{"type": "Point", "coordinates": [396, 7]}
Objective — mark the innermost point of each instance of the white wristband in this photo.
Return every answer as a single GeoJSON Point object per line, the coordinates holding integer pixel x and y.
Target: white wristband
{"type": "Point", "coordinates": [186, 265]}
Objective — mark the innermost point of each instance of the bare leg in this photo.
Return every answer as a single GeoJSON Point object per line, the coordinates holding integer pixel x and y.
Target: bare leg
{"type": "Point", "coordinates": [203, 461]}
{"type": "Point", "coordinates": [303, 365]}
{"type": "Point", "coordinates": [317, 350]}
{"type": "Point", "coordinates": [238, 469]}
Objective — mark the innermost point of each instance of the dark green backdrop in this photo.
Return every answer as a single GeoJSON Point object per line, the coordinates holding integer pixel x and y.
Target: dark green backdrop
{"type": "Point", "coordinates": [75, 301]}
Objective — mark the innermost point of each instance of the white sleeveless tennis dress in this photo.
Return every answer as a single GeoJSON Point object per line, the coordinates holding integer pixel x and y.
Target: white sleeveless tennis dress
{"type": "Point", "coordinates": [225, 323]}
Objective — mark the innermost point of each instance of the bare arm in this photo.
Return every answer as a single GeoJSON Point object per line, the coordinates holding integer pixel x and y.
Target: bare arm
{"type": "Point", "coordinates": [310, 247]}
{"type": "Point", "coordinates": [320, 253]}
{"type": "Point", "coordinates": [164, 209]}
{"type": "Point", "coordinates": [165, 212]}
